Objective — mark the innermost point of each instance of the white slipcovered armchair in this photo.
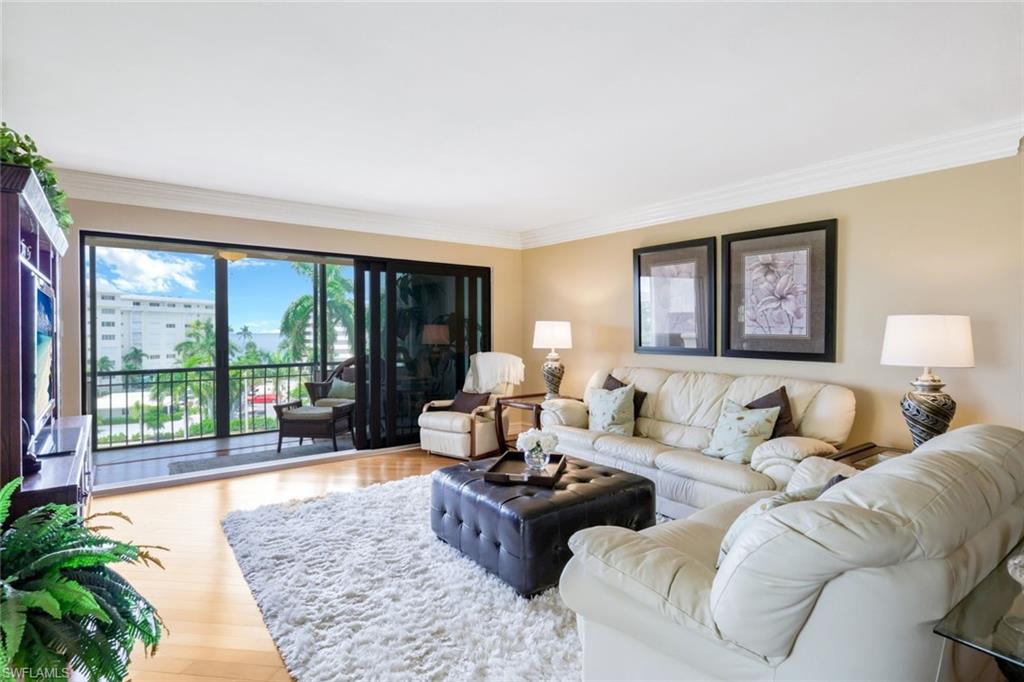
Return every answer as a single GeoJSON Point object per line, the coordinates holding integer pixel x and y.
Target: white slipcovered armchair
{"type": "Point", "coordinates": [472, 435]}
{"type": "Point", "coordinates": [844, 587]}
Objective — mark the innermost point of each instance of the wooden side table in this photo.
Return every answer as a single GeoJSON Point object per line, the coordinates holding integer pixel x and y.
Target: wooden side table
{"type": "Point", "coordinates": [516, 402]}
{"type": "Point", "coordinates": [867, 455]}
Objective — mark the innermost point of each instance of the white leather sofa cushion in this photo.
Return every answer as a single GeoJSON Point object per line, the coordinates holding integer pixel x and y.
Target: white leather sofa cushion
{"type": "Point", "coordinates": [663, 578]}
{"type": "Point", "coordinates": [700, 467]}
{"type": "Point", "coordinates": [564, 412]}
{"type": "Point", "coordinates": [815, 471]}
{"type": "Point", "coordinates": [822, 411]}
{"type": "Point", "coordinates": [701, 533]}
{"type": "Point", "coordinates": [692, 398]}
{"type": "Point", "coordinates": [452, 444]}
{"type": "Point", "coordinates": [779, 457]}
{"type": "Point", "coordinates": [638, 450]}
{"type": "Point", "coordinates": [907, 509]}
{"type": "Point", "coordinates": [571, 436]}
{"type": "Point", "coordinates": [452, 422]}
{"type": "Point", "coordinates": [677, 435]}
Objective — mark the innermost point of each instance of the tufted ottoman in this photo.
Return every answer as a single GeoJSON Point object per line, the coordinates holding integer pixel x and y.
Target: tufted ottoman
{"type": "Point", "coordinates": [521, 532]}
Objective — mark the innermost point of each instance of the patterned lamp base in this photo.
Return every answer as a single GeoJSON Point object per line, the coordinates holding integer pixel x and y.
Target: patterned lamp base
{"type": "Point", "coordinates": [928, 413]}
{"type": "Point", "coordinates": [553, 371]}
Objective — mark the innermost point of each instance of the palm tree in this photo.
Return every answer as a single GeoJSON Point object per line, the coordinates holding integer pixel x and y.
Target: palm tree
{"type": "Point", "coordinates": [133, 359]}
{"type": "Point", "coordinates": [299, 314]}
{"type": "Point", "coordinates": [104, 364]}
{"type": "Point", "coordinates": [199, 346]}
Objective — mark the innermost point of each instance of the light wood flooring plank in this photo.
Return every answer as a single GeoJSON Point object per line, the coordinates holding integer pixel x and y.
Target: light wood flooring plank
{"type": "Point", "coordinates": [216, 630]}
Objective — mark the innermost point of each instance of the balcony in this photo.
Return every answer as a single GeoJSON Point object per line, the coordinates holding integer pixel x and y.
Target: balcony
{"type": "Point", "coordinates": [149, 406]}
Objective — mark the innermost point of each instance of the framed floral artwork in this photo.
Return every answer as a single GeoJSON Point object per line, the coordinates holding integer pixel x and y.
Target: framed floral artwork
{"type": "Point", "coordinates": [674, 298]}
{"type": "Point", "coordinates": [779, 298]}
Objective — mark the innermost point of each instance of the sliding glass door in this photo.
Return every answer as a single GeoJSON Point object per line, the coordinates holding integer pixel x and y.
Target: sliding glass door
{"type": "Point", "coordinates": [185, 341]}
{"type": "Point", "coordinates": [192, 341]}
{"type": "Point", "coordinates": [421, 322]}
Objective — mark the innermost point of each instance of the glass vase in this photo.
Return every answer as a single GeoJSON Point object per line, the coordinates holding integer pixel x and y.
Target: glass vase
{"type": "Point", "coordinates": [536, 459]}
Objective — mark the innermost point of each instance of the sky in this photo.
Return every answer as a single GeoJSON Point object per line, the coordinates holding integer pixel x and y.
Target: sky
{"type": "Point", "coordinates": [259, 290]}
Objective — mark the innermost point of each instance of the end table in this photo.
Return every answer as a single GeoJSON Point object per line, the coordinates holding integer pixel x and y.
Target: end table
{"type": "Point", "coordinates": [867, 455]}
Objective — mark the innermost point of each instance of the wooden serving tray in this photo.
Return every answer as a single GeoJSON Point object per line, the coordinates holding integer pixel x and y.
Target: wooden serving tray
{"type": "Point", "coordinates": [510, 469]}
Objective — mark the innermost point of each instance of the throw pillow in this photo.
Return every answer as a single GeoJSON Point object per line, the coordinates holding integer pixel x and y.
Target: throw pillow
{"type": "Point", "coordinates": [467, 402]}
{"type": "Point", "coordinates": [739, 431]}
{"type": "Point", "coordinates": [611, 383]}
{"type": "Point", "coordinates": [341, 389]}
{"type": "Point", "coordinates": [759, 509]}
{"type": "Point", "coordinates": [832, 482]}
{"type": "Point", "coordinates": [612, 411]}
{"type": "Point", "coordinates": [784, 425]}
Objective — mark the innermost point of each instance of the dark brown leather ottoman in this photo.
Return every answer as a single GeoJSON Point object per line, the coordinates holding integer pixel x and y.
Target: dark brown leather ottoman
{"type": "Point", "coordinates": [521, 532]}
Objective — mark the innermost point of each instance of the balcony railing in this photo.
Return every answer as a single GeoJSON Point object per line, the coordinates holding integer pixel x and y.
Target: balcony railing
{"type": "Point", "coordinates": [140, 407]}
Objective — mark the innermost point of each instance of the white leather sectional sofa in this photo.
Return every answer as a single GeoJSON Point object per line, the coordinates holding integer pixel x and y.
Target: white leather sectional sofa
{"type": "Point", "coordinates": [844, 587]}
{"type": "Point", "coordinates": [676, 422]}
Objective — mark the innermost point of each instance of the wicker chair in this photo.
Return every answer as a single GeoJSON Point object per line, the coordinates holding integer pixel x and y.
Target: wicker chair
{"type": "Point", "coordinates": [317, 390]}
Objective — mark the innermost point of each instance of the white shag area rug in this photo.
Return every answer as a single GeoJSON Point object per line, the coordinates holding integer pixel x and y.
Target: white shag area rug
{"type": "Point", "coordinates": [356, 586]}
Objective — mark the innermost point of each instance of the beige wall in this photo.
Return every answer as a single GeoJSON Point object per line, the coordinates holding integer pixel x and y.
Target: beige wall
{"type": "Point", "coordinates": [945, 242]}
{"type": "Point", "coordinates": [505, 264]}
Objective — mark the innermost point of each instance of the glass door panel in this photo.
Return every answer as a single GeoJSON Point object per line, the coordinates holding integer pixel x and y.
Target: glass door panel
{"type": "Point", "coordinates": [438, 316]}
{"type": "Point", "coordinates": [149, 344]}
{"type": "Point", "coordinates": [273, 352]}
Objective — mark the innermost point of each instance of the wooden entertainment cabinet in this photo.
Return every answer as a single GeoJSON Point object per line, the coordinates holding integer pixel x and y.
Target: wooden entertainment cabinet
{"type": "Point", "coordinates": [31, 245]}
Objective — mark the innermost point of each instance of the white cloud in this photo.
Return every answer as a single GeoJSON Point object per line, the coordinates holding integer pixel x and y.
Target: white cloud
{"type": "Point", "coordinates": [261, 327]}
{"type": "Point", "coordinates": [147, 271]}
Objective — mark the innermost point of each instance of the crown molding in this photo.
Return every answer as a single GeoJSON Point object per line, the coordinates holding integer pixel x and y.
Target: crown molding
{"type": "Point", "coordinates": [972, 145]}
{"type": "Point", "coordinates": [118, 190]}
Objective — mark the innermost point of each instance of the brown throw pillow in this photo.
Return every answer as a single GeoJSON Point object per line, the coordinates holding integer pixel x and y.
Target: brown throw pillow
{"type": "Point", "coordinates": [467, 402]}
{"type": "Point", "coordinates": [784, 425]}
{"type": "Point", "coordinates": [611, 383]}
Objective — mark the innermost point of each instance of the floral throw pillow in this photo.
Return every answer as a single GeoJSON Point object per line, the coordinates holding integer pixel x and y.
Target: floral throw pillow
{"type": "Point", "coordinates": [739, 431]}
{"type": "Point", "coordinates": [612, 411]}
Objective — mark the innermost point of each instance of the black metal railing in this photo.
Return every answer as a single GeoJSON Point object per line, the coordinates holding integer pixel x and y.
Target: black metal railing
{"type": "Point", "coordinates": [145, 406]}
{"type": "Point", "coordinates": [255, 389]}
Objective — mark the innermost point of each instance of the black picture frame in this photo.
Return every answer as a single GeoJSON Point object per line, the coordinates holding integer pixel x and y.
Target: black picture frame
{"type": "Point", "coordinates": [819, 239]}
{"type": "Point", "coordinates": [704, 253]}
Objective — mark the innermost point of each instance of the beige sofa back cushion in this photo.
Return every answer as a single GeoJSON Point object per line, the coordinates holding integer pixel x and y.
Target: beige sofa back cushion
{"type": "Point", "coordinates": [682, 408]}
{"type": "Point", "coordinates": [913, 509]}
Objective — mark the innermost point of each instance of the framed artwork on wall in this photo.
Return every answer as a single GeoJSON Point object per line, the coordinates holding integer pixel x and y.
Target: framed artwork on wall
{"type": "Point", "coordinates": [674, 298]}
{"type": "Point", "coordinates": [779, 293]}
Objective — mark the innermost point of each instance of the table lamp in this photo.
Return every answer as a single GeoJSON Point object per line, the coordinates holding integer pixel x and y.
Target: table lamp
{"type": "Point", "coordinates": [928, 341]}
{"type": "Point", "coordinates": [552, 335]}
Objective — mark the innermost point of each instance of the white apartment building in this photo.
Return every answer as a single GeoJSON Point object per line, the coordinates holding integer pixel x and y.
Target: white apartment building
{"type": "Point", "coordinates": [154, 324]}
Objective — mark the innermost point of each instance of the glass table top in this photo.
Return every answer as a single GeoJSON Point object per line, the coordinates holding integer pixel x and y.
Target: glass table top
{"type": "Point", "coordinates": [991, 617]}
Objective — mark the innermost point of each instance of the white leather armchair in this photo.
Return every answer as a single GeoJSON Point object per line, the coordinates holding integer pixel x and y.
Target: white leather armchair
{"type": "Point", "coordinates": [848, 586]}
{"type": "Point", "coordinates": [462, 435]}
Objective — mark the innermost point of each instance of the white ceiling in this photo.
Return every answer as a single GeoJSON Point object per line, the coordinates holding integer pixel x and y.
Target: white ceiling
{"type": "Point", "coordinates": [507, 123]}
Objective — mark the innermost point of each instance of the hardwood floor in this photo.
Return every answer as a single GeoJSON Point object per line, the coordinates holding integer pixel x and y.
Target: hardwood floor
{"type": "Point", "coordinates": [216, 632]}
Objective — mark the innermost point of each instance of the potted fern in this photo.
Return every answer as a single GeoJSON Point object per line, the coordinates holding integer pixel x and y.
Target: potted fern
{"type": "Point", "coordinates": [62, 607]}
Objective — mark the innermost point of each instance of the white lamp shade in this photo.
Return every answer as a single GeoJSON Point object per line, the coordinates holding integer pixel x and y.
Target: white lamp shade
{"type": "Point", "coordinates": [928, 341]}
{"type": "Point", "coordinates": [550, 334]}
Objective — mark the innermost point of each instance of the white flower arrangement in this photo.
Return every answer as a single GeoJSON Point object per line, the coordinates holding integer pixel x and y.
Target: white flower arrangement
{"type": "Point", "coordinates": [535, 438]}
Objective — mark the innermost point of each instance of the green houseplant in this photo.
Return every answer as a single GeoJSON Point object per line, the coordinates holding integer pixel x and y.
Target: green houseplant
{"type": "Point", "coordinates": [61, 605]}
{"type": "Point", "coordinates": [21, 150]}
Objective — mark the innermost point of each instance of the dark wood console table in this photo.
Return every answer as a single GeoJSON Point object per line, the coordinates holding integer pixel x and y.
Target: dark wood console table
{"type": "Point", "coordinates": [64, 479]}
